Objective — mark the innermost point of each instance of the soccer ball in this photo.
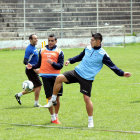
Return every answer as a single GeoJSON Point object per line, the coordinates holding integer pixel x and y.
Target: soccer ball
{"type": "Point", "coordinates": [27, 86]}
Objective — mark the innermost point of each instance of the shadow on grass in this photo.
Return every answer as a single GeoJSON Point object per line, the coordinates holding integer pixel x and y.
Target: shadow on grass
{"type": "Point", "coordinates": [19, 107]}
{"type": "Point", "coordinates": [47, 126]}
{"type": "Point", "coordinates": [138, 101]}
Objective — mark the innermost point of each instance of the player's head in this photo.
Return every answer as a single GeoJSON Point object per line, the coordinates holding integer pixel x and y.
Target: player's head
{"type": "Point", "coordinates": [33, 39]}
{"type": "Point", "coordinates": [96, 40]}
{"type": "Point", "coordinates": [52, 40]}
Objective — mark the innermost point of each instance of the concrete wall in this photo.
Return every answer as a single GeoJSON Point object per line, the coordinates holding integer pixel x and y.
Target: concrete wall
{"type": "Point", "coordinates": [69, 43]}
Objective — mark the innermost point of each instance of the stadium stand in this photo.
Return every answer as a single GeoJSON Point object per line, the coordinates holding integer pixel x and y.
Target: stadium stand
{"type": "Point", "coordinates": [43, 15]}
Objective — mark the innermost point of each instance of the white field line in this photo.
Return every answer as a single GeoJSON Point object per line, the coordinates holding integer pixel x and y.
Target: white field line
{"type": "Point", "coordinates": [62, 127]}
{"type": "Point", "coordinates": [134, 84]}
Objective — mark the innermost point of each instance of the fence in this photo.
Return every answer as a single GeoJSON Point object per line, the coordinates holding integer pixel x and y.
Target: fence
{"type": "Point", "coordinates": [19, 18]}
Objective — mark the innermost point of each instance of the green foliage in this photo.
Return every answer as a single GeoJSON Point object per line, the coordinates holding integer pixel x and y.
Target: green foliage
{"type": "Point", "coordinates": [133, 34]}
{"type": "Point", "coordinates": [116, 101]}
{"type": "Point", "coordinates": [6, 49]}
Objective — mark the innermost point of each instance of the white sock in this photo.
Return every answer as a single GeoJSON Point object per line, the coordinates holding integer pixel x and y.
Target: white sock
{"type": "Point", "coordinates": [90, 118]}
{"type": "Point", "coordinates": [90, 122]}
{"type": "Point", "coordinates": [53, 97]}
{"type": "Point", "coordinates": [20, 94]}
{"type": "Point", "coordinates": [56, 115]}
{"type": "Point", "coordinates": [53, 117]}
{"type": "Point", "coordinates": [36, 102]}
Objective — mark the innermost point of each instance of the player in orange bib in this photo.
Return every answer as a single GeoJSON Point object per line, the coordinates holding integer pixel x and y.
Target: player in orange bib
{"type": "Point", "coordinates": [51, 60]}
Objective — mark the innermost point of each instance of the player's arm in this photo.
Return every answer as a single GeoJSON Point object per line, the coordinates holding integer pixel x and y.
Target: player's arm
{"type": "Point", "coordinates": [25, 61]}
{"type": "Point", "coordinates": [76, 58]}
{"type": "Point", "coordinates": [35, 66]}
{"type": "Point", "coordinates": [60, 62]}
{"type": "Point", "coordinates": [107, 61]}
{"type": "Point", "coordinates": [26, 56]}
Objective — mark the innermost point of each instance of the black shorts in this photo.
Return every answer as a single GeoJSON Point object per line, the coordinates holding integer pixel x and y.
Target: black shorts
{"type": "Point", "coordinates": [48, 84]}
{"type": "Point", "coordinates": [32, 76]}
{"type": "Point", "coordinates": [85, 85]}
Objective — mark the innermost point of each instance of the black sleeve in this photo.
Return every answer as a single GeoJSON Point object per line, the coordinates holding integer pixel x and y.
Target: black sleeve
{"type": "Point", "coordinates": [38, 63]}
{"type": "Point", "coordinates": [77, 58]}
{"type": "Point", "coordinates": [25, 61]}
{"type": "Point", "coordinates": [107, 61]}
{"type": "Point", "coordinates": [60, 62]}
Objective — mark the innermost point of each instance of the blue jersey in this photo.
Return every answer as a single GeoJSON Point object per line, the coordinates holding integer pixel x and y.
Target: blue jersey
{"type": "Point", "coordinates": [31, 54]}
{"type": "Point", "coordinates": [92, 60]}
{"type": "Point", "coordinates": [91, 63]}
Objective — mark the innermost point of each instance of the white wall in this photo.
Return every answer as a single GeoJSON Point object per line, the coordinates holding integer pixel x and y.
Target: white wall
{"type": "Point", "coordinates": [68, 43]}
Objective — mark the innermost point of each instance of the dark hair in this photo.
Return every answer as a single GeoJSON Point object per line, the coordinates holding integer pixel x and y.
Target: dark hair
{"type": "Point", "coordinates": [31, 36]}
{"type": "Point", "coordinates": [97, 36]}
{"type": "Point", "coordinates": [52, 35]}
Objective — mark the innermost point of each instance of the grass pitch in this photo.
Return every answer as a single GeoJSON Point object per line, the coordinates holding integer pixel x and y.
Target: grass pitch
{"type": "Point", "coordinates": [116, 102]}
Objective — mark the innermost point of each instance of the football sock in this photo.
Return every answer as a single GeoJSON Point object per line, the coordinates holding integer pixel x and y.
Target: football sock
{"type": "Point", "coordinates": [36, 102]}
{"type": "Point", "coordinates": [53, 97]}
{"type": "Point", "coordinates": [90, 118]}
{"type": "Point", "coordinates": [56, 115]}
{"type": "Point", "coordinates": [20, 94]}
{"type": "Point", "coordinates": [53, 117]}
{"type": "Point", "coordinates": [90, 121]}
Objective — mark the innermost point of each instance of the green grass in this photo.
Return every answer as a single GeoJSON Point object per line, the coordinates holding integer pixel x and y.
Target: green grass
{"type": "Point", "coordinates": [116, 101]}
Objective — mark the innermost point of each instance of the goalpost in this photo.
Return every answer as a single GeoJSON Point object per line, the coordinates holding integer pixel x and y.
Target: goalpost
{"type": "Point", "coordinates": [113, 36]}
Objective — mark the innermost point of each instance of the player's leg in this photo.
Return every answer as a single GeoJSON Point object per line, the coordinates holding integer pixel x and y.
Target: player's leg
{"type": "Point", "coordinates": [47, 84]}
{"type": "Point", "coordinates": [89, 108]}
{"type": "Point", "coordinates": [58, 83]}
{"type": "Point", "coordinates": [18, 95]}
{"type": "Point", "coordinates": [85, 88]}
{"type": "Point", "coordinates": [68, 77]}
{"type": "Point", "coordinates": [57, 107]}
{"type": "Point", "coordinates": [48, 88]}
{"type": "Point", "coordinates": [53, 117]}
{"type": "Point", "coordinates": [57, 87]}
{"type": "Point", "coordinates": [58, 101]}
{"type": "Point", "coordinates": [37, 86]}
{"type": "Point", "coordinates": [89, 105]}
{"type": "Point", "coordinates": [37, 93]}
{"type": "Point", "coordinates": [33, 76]}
